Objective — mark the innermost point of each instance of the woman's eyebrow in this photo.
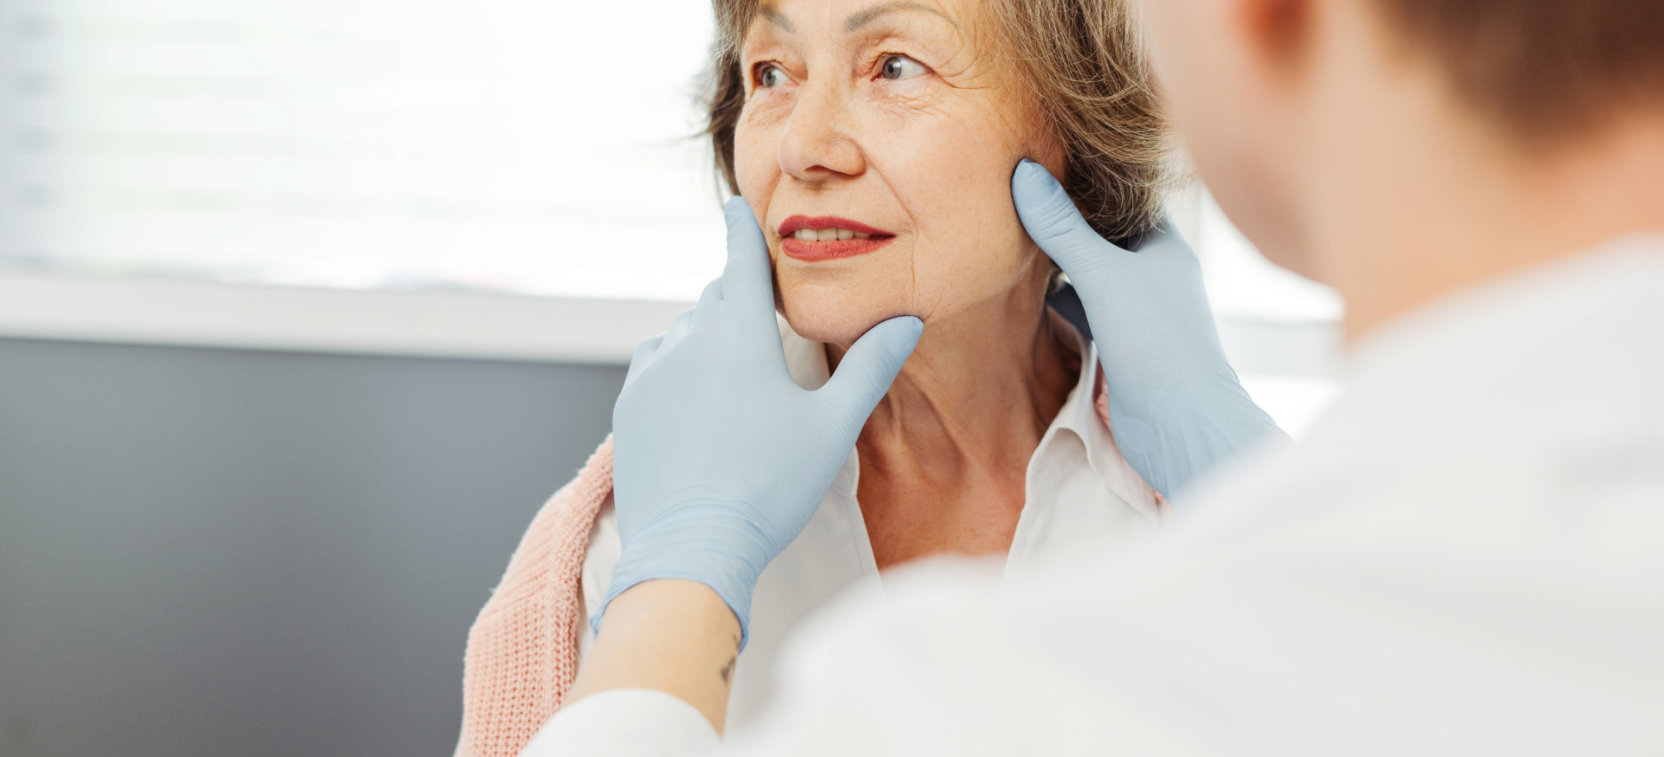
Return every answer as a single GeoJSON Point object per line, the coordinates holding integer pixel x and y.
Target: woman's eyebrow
{"type": "Point", "coordinates": [779, 19]}
{"type": "Point", "coordinates": [858, 20]}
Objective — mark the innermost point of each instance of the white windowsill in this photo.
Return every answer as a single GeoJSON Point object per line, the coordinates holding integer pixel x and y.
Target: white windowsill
{"type": "Point", "coordinates": [478, 325]}
{"type": "Point", "coordinates": [470, 325]}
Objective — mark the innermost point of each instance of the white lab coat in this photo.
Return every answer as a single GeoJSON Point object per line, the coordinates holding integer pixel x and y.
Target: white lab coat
{"type": "Point", "coordinates": [1465, 556]}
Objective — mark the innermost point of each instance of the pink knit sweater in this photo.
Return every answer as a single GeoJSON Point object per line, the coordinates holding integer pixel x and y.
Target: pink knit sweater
{"type": "Point", "coordinates": [523, 649]}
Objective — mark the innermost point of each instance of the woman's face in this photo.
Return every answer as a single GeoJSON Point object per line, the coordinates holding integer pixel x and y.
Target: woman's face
{"type": "Point", "coordinates": [891, 121]}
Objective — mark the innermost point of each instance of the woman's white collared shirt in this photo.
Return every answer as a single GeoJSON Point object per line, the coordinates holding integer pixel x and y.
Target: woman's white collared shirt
{"type": "Point", "coordinates": [1080, 495]}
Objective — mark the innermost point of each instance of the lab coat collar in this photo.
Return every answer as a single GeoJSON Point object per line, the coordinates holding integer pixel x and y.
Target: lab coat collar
{"type": "Point", "coordinates": [1544, 341]}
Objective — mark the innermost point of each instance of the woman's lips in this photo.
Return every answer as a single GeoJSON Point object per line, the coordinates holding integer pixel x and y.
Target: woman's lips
{"type": "Point", "coordinates": [830, 249]}
{"type": "Point", "coordinates": [807, 251]}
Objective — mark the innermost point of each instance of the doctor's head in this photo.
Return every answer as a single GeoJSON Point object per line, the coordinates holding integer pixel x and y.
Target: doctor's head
{"type": "Point", "coordinates": [875, 142]}
{"type": "Point", "coordinates": [1325, 126]}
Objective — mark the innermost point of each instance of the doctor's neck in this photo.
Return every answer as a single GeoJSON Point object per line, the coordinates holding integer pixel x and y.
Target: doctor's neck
{"type": "Point", "coordinates": [1466, 214]}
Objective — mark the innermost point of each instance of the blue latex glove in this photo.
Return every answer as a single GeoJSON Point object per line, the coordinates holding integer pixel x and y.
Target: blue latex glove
{"type": "Point", "coordinates": [719, 458]}
{"type": "Point", "coordinates": [1176, 407]}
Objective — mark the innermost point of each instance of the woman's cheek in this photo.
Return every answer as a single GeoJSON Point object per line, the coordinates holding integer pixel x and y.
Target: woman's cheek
{"type": "Point", "coordinates": [745, 149]}
{"type": "Point", "coordinates": [970, 243]}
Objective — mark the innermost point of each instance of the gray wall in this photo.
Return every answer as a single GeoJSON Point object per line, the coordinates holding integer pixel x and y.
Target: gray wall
{"type": "Point", "coordinates": [246, 553]}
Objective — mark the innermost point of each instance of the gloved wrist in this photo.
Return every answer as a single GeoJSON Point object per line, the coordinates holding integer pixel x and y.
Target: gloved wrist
{"type": "Point", "coordinates": [703, 542]}
{"type": "Point", "coordinates": [1173, 436]}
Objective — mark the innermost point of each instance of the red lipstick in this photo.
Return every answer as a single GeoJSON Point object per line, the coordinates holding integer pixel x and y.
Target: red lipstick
{"type": "Point", "coordinates": [811, 251]}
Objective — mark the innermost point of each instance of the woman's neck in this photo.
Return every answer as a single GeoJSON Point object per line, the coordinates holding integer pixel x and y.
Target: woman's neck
{"type": "Point", "coordinates": [944, 455]}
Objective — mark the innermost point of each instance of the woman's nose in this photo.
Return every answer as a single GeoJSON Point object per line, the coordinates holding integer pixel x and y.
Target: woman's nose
{"type": "Point", "coordinates": [817, 144]}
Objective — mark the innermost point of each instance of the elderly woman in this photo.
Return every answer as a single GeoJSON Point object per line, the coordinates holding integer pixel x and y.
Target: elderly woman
{"type": "Point", "coordinates": [875, 143]}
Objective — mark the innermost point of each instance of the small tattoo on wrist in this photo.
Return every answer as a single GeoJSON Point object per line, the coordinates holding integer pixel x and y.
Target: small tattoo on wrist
{"type": "Point", "coordinates": [728, 670]}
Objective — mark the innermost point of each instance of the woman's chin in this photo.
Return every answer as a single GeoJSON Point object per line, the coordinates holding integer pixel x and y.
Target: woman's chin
{"type": "Point", "coordinates": [832, 321]}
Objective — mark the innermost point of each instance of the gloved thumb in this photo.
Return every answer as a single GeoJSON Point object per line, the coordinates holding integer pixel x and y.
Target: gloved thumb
{"type": "Point", "coordinates": [868, 369]}
{"type": "Point", "coordinates": [1053, 222]}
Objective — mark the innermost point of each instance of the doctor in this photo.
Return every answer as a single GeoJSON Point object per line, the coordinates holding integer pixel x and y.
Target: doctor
{"type": "Point", "coordinates": [1466, 555]}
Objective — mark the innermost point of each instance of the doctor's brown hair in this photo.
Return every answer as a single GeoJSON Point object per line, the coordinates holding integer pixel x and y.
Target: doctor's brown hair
{"type": "Point", "coordinates": [1083, 63]}
{"type": "Point", "coordinates": [1541, 69]}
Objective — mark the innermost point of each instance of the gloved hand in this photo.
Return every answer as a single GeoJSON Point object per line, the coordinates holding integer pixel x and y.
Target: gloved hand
{"type": "Point", "coordinates": [1176, 407]}
{"type": "Point", "coordinates": [719, 458]}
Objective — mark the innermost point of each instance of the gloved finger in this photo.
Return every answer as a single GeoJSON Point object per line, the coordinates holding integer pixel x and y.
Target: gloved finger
{"type": "Point", "coordinates": [868, 370]}
{"type": "Point", "coordinates": [643, 355]}
{"type": "Point", "coordinates": [1053, 222]}
{"type": "Point", "coordinates": [747, 281]}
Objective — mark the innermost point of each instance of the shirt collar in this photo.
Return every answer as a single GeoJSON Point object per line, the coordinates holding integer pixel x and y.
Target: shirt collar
{"type": "Point", "coordinates": [1079, 413]}
{"type": "Point", "coordinates": [1080, 417]}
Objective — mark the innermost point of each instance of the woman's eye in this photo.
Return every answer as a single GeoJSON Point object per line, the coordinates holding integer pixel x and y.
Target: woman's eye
{"type": "Point", "coordinates": [769, 76]}
{"type": "Point", "coordinates": [900, 67]}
